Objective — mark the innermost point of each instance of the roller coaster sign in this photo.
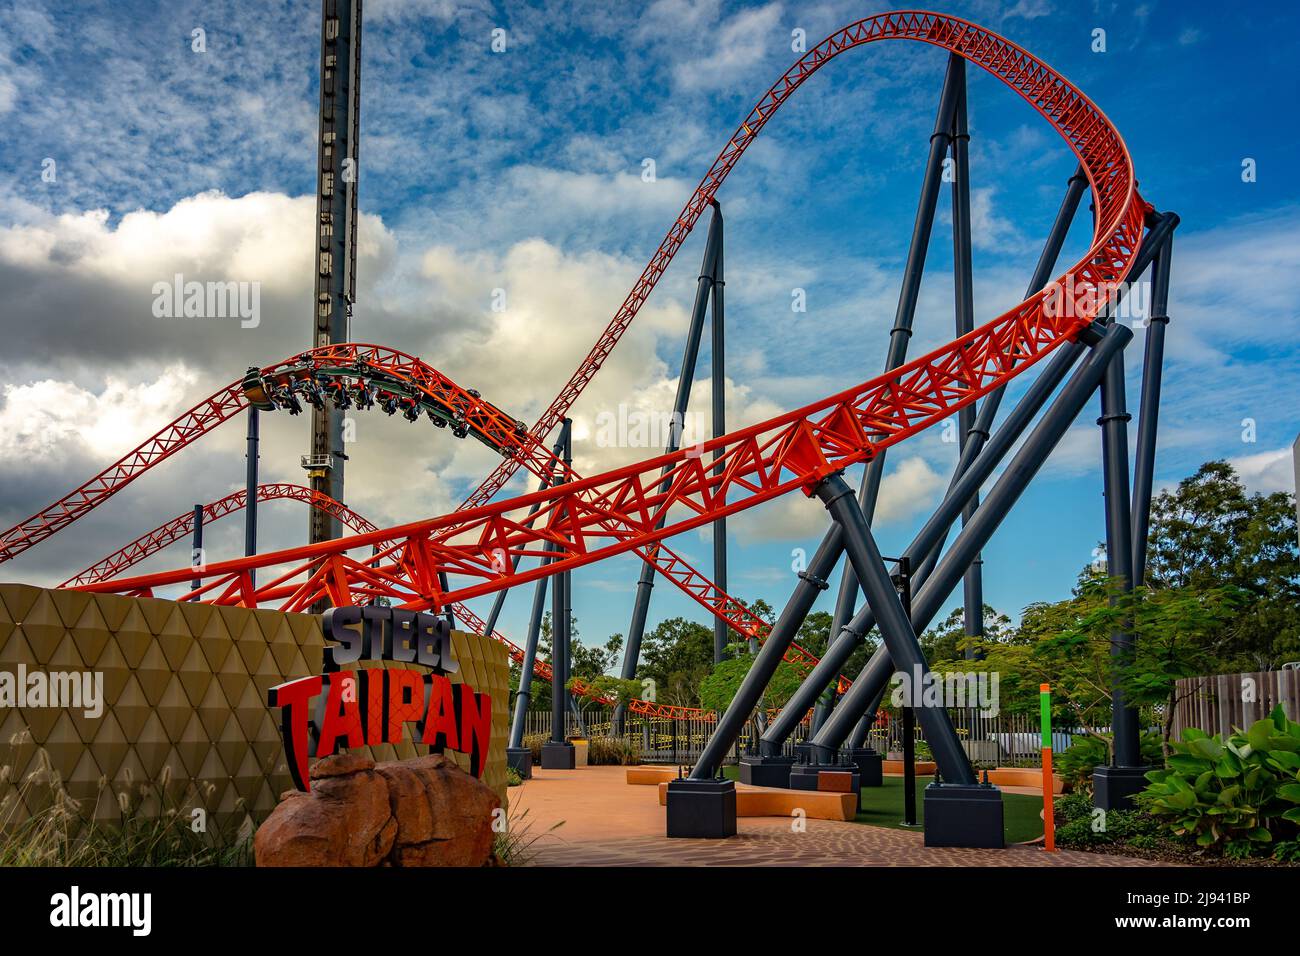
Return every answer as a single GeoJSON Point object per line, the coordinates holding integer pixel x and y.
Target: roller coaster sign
{"type": "Point", "coordinates": [344, 709]}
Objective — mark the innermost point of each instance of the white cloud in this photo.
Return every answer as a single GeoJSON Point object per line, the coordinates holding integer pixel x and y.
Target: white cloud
{"type": "Point", "coordinates": [1266, 471]}
{"type": "Point", "coordinates": [910, 487]}
{"type": "Point", "coordinates": [734, 48]}
{"type": "Point", "coordinates": [50, 421]}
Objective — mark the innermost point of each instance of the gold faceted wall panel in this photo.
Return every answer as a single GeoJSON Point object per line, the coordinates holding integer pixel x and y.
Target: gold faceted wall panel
{"type": "Point", "coordinates": [185, 714]}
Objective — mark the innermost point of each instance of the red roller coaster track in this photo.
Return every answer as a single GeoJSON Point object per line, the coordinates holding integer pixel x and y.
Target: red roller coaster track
{"type": "Point", "coordinates": [591, 519]}
{"type": "Point", "coordinates": [415, 381]}
{"type": "Point", "coordinates": [182, 525]}
{"type": "Point", "coordinates": [596, 518]}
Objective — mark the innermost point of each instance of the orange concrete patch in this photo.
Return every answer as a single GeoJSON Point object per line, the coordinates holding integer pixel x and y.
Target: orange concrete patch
{"type": "Point", "coordinates": [770, 802]}
{"type": "Point", "coordinates": [835, 781]}
{"type": "Point", "coordinates": [1031, 777]}
{"type": "Point", "coordinates": [650, 776]}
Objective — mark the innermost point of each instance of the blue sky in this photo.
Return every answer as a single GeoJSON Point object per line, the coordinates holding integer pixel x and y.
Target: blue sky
{"type": "Point", "coordinates": [522, 171]}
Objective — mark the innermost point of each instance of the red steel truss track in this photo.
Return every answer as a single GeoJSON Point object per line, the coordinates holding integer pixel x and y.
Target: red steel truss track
{"type": "Point", "coordinates": [595, 518]}
{"type": "Point", "coordinates": [406, 376]}
{"type": "Point", "coordinates": [183, 525]}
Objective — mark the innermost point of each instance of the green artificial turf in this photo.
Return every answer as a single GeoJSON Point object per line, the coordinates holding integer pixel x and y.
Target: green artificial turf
{"type": "Point", "coordinates": [883, 807]}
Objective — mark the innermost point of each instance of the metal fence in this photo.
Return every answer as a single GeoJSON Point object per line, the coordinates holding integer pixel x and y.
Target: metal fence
{"type": "Point", "coordinates": [1004, 740]}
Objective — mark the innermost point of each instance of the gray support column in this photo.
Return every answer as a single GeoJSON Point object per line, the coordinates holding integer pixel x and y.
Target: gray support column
{"type": "Point", "coordinates": [926, 548]}
{"type": "Point", "coordinates": [979, 432]}
{"type": "Point", "coordinates": [901, 333]}
{"type": "Point", "coordinates": [1006, 491]}
{"type": "Point", "coordinates": [524, 695]}
{"type": "Point", "coordinates": [718, 382]}
{"type": "Point", "coordinates": [895, 628]}
{"type": "Point", "coordinates": [250, 487]}
{"type": "Point", "coordinates": [685, 379]}
{"type": "Point", "coordinates": [196, 547]}
{"type": "Point", "coordinates": [964, 306]}
{"type": "Point", "coordinates": [905, 312]}
{"type": "Point", "coordinates": [560, 608]}
{"type": "Point", "coordinates": [567, 578]}
{"type": "Point", "coordinates": [1149, 415]}
{"type": "Point", "coordinates": [558, 693]}
{"type": "Point", "coordinates": [1157, 235]}
{"type": "Point", "coordinates": [445, 585]}
{"type": "Point", "coordinates": [1119, 546]}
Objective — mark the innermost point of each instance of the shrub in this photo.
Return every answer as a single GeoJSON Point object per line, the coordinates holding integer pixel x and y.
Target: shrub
{"type": "Point", "coordinates": [1072, 806]}
{"type": "Point", "coordinates": [534, 743]}
{"type": "Point", "coordinates": [1076, 763]}
{"type": "Point", "coordinates": [513, 779]}
{"type": "Point", "coordinates": [1288, 851]}
{"type": "Point", "coordinates": [616, 751]}
{"type": "Point", "coordinates": [1075, 814]}
{"type": "Point", "coordinates": [1121, 826]}
{"type": "Point", "coordinates": [1231, 796]}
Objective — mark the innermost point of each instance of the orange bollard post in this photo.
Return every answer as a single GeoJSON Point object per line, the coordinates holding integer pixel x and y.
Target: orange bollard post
{"type": "Point", "coordinates": [1045, 715]}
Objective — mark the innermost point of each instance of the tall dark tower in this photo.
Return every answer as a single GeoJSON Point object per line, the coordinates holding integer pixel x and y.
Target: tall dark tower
{"type": "Point", "coordinates": [336, 234]}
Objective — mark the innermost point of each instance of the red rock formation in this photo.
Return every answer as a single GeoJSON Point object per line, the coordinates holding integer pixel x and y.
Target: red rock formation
{"type": "Point", "coordinates": [422, 812]}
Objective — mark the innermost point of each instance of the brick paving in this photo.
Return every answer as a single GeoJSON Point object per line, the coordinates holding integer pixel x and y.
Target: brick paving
{"type": "Point", "coordinates": [608, 823]}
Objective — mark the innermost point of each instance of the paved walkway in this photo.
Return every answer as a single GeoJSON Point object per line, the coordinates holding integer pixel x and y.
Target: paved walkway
{"type": "Point", "coordinates": [608, 823]}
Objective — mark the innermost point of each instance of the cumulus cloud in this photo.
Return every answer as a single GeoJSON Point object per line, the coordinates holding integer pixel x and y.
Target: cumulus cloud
{"type": "Point", "coordinates": [51, 421]}
{"type": "Point", "coordinates": [1267, 471]}
{"type": "Point", "coordinates": [910, 487]}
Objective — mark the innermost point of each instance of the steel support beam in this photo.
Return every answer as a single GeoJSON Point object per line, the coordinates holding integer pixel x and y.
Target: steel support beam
{"type": "Point", "coordinates": [1158, 233]}
{"type": "Point", "coordinates": [196, 548]}
{"type": "Point", "coordinates": [499, 601]}
{"type": "Point", "coordinates": [1149, 415]}
{"type": "Point", "coordinates": [964, 307]}
{"type": "Point", "coordinates": [1119, 548]}
{"type": "Point", "coordinates": [523, 695]}
{"type": "Point", "coordinates": [979, 432]}
{"type": "Point", "coordinates": [926, 542]}
{"type": "Point", "coordinates": [685, 380]}
{"type": "Point", "coordinates": [812, 582]}
{"type": "Point", "coordinates": [922, 552]}
{"type": "Point", "coordinates": [718, 388]}
{"type": "Point", "coordinates": [560, 611]}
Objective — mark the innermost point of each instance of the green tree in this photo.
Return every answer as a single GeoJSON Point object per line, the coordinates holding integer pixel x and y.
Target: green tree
{"type": "Point", "coordinates": [1209, 533]}
{"type": "Point", "coordinates": [946, 641]}
{"type": "Point", "coordinates": [677, 654]}
{"type": "Point", "coordinates": [1068, 644]}
{"type": "Point", "coordinates": [719, 687]}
